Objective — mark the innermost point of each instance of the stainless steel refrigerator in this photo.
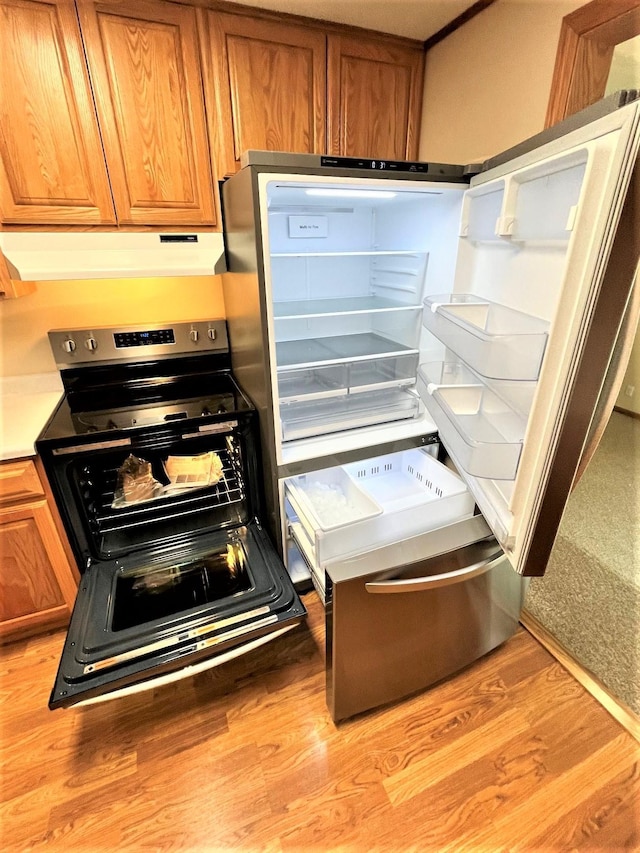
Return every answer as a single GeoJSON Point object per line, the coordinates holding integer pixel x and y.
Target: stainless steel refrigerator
{"type": "Point", "coordinates": [426, 345]}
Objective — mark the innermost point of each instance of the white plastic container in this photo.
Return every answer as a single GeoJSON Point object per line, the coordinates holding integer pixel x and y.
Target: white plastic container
{"type": "Point", "coordinates": [493, 340]}
{"type": "Point", "coordinates": [414, 491]}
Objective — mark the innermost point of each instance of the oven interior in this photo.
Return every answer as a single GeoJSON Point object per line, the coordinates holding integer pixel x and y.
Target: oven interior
{"type": "Point", "coordinates": [115, 531]}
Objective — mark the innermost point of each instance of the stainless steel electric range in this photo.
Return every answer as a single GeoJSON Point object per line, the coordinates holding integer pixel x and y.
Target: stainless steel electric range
{"type": "Point", "coordinates": [152, 456]}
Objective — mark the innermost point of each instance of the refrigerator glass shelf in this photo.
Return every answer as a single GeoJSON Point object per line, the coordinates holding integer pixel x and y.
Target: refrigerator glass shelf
{"type": "Point", "coordinates": [338, 307]}
{"type": "Point", "coordinates": [336, 349]}
{"type": "Point", "coordinates": [495, 341]}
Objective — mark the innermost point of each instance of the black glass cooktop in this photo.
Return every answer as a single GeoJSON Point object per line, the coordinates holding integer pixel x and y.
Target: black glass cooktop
{"type": "Point", "coordinates": [116, 398]}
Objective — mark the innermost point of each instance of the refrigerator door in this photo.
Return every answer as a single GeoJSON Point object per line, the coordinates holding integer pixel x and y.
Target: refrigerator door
{"type": "Point", "coordinates": [545, 269]}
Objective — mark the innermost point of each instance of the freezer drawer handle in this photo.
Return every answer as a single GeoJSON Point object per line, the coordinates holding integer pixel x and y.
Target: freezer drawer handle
{"type": "Point", "coordinates": [434, 581]}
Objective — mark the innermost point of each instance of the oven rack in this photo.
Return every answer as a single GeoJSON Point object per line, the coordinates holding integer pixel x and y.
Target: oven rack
{"type": "Point", "coordinates": [105, 519]}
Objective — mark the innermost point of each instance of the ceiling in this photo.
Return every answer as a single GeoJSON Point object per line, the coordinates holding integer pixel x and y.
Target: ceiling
{"type": "Point", "coordinates": [417, 19]}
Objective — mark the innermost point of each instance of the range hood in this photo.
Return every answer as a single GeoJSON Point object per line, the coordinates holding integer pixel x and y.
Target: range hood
{"type": "Point", "coordinates": [48, 255]}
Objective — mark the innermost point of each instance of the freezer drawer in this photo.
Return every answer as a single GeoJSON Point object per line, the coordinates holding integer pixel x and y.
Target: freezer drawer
{"type": "Point", "coordinates": [394, 630]}
{"type": "Point", "coordinates": [364, 505]}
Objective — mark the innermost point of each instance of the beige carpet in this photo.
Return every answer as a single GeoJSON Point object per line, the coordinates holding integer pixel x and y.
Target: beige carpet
{"type": "Point", "coordinates": [589, 598]}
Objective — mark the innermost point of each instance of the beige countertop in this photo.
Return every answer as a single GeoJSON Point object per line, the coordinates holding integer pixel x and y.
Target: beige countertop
{"type": "Point", "coordinates": [25, 405]}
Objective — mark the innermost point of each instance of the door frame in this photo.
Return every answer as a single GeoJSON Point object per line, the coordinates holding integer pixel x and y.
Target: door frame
{"type": "Point", "coordinates": [588, 37]}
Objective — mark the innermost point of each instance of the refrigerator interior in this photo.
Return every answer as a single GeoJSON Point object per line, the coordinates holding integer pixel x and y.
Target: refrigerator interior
{"type": "Point", "coordinates": [345, 304]}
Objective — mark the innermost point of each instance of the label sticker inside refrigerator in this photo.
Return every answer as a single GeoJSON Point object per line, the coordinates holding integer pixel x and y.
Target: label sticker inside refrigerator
{"type": "Point", "coordinates": [308, 226]}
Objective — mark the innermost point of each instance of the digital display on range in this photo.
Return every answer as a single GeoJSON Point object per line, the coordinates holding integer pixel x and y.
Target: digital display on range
{"type": "Point", "coordinates": [142, 339]}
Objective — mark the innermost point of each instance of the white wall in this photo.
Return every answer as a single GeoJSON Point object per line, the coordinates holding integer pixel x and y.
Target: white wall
{"type": "Point", "coordinates": [487, 85]}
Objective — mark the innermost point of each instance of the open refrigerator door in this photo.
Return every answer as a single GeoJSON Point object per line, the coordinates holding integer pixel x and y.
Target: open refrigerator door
{"type": "Point", "coordinates": [522, 344]}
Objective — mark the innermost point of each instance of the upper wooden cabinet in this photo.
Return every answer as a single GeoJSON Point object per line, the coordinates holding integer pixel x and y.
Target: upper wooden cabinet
{"type": "Point", "coordinates": [265, 85]}
{"type": "Point", "coordinates": [374, 94]}
{"type": "Point", "coordinates": [144, 66]}
{"type": "Point", "coordinates": [124, 111]}
{"type": "Point", "coordinates": [52, 167]}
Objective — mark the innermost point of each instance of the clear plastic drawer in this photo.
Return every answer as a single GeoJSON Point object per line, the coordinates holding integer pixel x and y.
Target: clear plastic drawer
{"type": "Point", "coordinates": [306, 418]}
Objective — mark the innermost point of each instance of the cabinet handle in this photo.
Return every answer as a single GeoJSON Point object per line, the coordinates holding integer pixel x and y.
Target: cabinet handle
{"type": "Point", "coordinates": [434, 581]}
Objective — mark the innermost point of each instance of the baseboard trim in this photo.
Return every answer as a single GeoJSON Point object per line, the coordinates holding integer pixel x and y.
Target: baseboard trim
{"type": "Point", "coordinates": [626, 412]}
{"type": "Point", "coordinates": [624, 715]}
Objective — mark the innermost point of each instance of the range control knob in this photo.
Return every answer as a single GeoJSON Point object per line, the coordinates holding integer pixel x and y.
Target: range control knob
{"type": "Point", "coordinates": [91, 344]}
{"type": "Point", "coordinates": [69, 345]}
{"type": "Point", "coordinates": [194, 334]}
{"type": "Point", "coordinates": [212, 334]}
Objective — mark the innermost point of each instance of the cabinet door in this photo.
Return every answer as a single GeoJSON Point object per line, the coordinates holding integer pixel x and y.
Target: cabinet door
{"type": "Point", "coordinates": [143, 60]}
{"type": "Point", "coordinates": [37, 589]}
{"type": "Point", "coordinates": [52, 167]}
{"type": "Point", "coordinates": [374, 93]}
{"type": "Point", "coordinates": [265, 85]}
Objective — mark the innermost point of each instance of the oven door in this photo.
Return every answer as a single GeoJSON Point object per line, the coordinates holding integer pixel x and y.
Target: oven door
{"type": "Point", "coordinates": [168, 615]}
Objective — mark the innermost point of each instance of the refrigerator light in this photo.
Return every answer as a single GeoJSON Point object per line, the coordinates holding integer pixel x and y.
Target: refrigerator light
{"type": "Point", "coordinates": [352, 193]}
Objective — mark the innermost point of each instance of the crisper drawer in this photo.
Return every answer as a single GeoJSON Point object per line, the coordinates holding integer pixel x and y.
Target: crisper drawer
{"type": "Point", "coordinates": [305, 418]}
{"type": "Point", "coordinates": [334, 380]}
{"type": "Point", "coordinates": [362, 506]}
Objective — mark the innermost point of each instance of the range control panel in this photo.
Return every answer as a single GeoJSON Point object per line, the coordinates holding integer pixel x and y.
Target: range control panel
{"type": "Point", "coordinates": [77, 347]}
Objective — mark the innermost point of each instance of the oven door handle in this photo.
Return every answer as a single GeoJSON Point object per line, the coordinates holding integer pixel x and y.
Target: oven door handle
{"type": "Point", "coordinates": [434, 581]}
{"type": "Point", "coordinates": [185, 672]}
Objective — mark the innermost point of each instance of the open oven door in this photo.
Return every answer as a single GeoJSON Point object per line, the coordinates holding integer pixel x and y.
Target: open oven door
{"type": "Point", "coordinates": [540, 226]}
{"type": "Point", "coordinates": [172, 614]}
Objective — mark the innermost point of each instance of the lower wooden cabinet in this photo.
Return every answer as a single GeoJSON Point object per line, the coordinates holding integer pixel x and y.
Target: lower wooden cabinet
{"type": "Point", "coordinates": [38, 583]}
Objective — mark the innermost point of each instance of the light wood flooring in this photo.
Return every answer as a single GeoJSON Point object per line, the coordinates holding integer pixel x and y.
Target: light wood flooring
{"type": "Point", "coordinates": [511, 754]}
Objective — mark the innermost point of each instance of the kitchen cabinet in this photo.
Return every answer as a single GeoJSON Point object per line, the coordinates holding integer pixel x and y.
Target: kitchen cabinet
{"type": "Point", "coordinates": [145, 71]}
{"type": "Point", "coordinates": [265, 85]}
{"type": "Point", "coordinates": [374, 97]}
{"type": "Point", "coordinates": [37, 583]}
{"type": "Point", "coordinates": [125, 113]}
{"type": "Point", "coordinates": [52, 168]}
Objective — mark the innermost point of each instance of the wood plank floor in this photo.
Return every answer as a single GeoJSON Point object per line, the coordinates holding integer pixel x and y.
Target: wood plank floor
{"type": "Point", "coordinates": [511, 754]}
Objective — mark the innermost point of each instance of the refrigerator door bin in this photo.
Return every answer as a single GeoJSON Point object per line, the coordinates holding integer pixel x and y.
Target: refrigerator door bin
{"type": "Point", "coordinates": [483, 433]}
{"type": "Point", "coordinates": [441, 373]}
{"type": "Point", "coordinates": [304, 419]}
{"type": "Point", "coordinates": [494, 340]}
{"type": "Point", "coordinates": [414, 491]}
{"type": "Point", "coordinates": [445, 612]}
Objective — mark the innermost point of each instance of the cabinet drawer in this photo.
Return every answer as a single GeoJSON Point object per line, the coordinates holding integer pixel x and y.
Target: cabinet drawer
{"type": "Point", "coordinates": [19, 481]}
